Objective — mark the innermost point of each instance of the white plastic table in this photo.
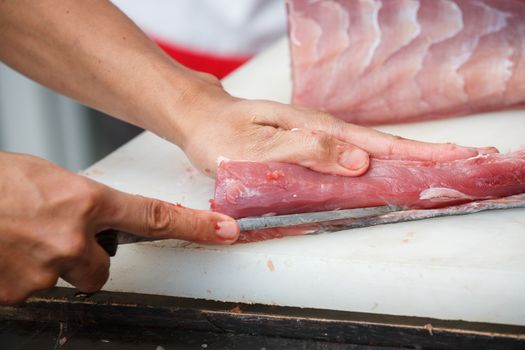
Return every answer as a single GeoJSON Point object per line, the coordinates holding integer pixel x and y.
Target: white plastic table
{"type": "Point", "coordinates": [469, 268]}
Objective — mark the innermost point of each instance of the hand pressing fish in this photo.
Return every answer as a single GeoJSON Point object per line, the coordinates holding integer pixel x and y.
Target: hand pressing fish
{"type": "Point", "coordinates": [388, 61]}
{"type": "Point", "coordinates": [246, 189]}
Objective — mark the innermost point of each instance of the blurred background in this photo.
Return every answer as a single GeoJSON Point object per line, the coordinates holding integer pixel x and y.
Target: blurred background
{"type": "Point", "coordinates": [215, 36]}
{"type": "Point", "coordinates": [35, 120]}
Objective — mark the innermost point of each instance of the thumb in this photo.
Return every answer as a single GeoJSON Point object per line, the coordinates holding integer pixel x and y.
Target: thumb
{"type": "Point", "coordinates": [318, 151]}
{"type": "Point", "coordinates": [154, 218]}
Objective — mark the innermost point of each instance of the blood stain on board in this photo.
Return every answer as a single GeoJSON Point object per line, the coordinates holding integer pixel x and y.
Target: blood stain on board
{"type": "Point", "coordinates": [408, 236]}
{"type": "Point", "coordinates": [270, 265]}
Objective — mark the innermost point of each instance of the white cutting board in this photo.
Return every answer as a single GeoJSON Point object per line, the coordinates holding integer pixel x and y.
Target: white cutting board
{"type": "Point", "coordinates": [469, 268]}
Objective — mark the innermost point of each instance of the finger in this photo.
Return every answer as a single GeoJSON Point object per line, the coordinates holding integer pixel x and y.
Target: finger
{"type": "Point", "coordinates": [316, 150]}
{"type": "Point", "coordinates": [158, 219]}
{"type": "Point", "coordinates": [386, 146]}
{"type": "Point", "coordinates": [22, 277]}
{"type": "Point", "coordinates": [376, 143]}
{"type": "Point", "coordinates": [90, 271]}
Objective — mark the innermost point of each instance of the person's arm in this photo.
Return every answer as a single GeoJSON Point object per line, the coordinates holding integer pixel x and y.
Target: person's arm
{"type": "Point", "coordinates": [89, 50]}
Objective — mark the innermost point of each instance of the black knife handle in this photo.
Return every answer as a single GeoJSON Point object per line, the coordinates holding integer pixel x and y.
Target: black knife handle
{"type": "Point", "coordinates": [108, 240]}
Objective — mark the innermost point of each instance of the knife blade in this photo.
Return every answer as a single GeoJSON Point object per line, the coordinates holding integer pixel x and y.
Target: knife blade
{"type": "Point", "coordinates": [339, 219]}
{"type": "Point", "coordinates": [110, 239]}
{"type": "Point", "coordinates": [265, 222]}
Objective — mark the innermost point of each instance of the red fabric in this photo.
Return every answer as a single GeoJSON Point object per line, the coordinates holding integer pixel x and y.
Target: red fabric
{"type": "Point", "coordinates": [218, 65]}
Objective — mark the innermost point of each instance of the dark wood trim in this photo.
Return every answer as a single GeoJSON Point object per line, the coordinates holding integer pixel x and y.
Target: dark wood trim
{"type": "Point", "coordinates": [162, 312]}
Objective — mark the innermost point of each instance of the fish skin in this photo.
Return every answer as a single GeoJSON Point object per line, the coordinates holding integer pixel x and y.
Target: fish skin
{"type": "Point", "coordinates": [388, 61]}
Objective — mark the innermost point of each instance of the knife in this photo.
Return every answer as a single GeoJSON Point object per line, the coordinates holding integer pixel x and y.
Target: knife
{"type": "Point", "coordinates": [329, 221]}
{"type": "Point", "coordinates": [110, 239]}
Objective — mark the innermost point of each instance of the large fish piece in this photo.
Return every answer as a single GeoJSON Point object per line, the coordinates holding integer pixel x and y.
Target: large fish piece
{"type": "Point", "coordinates": [253, 189]}
{"type": "Point", "coordinates": [387, 61]}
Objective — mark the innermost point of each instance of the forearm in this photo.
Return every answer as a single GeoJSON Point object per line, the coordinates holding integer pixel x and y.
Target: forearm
{"type": "Point", "coordinates": [90, 51]}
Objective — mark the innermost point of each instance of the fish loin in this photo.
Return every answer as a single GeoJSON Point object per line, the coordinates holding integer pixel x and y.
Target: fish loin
{"type": "Point", "coordinates": [388, 61]}
{"type": "Point", "coordinates": [246, 189]}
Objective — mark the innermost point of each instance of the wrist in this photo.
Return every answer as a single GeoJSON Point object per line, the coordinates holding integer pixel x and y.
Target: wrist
{"type": "Point", "coordinates": [200, 99]}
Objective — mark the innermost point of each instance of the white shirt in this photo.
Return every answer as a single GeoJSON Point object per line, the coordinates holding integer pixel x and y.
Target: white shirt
{"type": "Point", "coordinates": [225, 27]}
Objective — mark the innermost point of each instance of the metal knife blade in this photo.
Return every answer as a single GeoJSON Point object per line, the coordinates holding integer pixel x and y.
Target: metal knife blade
{"type": "Point", "coordinates": [109, 239]}
{"type": "Point", "coordinates": [265, 222]}
{"type": "Point", "coordinates": [338, 219]}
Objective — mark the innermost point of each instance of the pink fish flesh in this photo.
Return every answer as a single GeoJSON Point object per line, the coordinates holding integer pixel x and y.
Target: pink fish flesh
{"type": "Point", "coordinates": [386, 61]}
{"type": "Point", "coordinates": [245, 189]}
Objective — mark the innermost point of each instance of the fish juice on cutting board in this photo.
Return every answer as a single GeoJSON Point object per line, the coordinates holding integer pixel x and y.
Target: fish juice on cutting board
{"type": "Point", "coordinates": [385, 61]}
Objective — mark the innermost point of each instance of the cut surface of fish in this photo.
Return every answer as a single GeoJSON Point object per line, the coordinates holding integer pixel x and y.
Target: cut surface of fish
{"type": "Point", "coordinates": [389, 61]}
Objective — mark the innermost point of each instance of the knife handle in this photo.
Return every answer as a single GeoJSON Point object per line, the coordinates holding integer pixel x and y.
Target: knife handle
{"type": "Point", "coordinates": [108, 240]}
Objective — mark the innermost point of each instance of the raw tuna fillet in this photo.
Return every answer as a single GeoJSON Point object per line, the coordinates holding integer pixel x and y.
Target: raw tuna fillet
{"type": "Point", "coordinates": [252, 189]}
{"type": "Point", "coordinates": [387, 61]}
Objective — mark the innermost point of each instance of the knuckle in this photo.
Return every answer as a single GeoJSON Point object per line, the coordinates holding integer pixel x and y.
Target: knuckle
{"type": "Point", "coordinates": [88, 196]}
{"type": "Point", "coordinates": [72, 248]}
{"type": "Point", "coordinates": [158, 216]}
{"type": "Point", "coordinates": [323, 120]}
{"type": "Point", "coordinates": [321, 146]}
{"type": "Point", "coordinates": [326, 118]}
{"type": "Point", "coordinates": [336, 126]}
{"type": "Point", "coordinates": [197, 226]}
{"type": "Point", "coordinates": [391, 148]}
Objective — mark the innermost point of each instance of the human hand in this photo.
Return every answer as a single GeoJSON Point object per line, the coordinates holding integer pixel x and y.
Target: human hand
{"type": "Point", "coordinates": [260, 130]}
{"type": "Point", "coordinates": [49, 218]}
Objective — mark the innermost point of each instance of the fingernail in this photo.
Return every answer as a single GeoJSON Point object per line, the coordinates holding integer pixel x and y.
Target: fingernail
{"type": "Point", "coordinates": [353, 159]}
{"type": "Point", "coordinates": [227, 229]}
